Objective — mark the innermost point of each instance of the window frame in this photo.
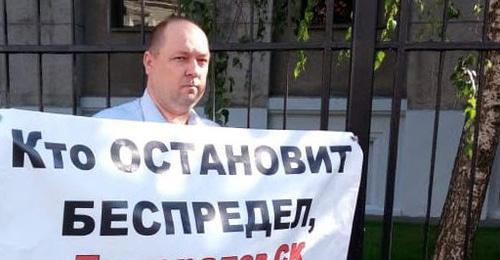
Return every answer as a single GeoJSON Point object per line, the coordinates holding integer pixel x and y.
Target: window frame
{"type": "Point", "coordinates": [116, 12]}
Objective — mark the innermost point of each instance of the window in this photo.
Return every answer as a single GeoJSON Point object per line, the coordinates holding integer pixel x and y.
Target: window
{"type": "Point", "coordinates": [341, 15]}
{"type": "Point", "coordinates": [127, 13]}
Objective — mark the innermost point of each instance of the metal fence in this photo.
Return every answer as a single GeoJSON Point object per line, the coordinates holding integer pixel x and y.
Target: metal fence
{"type": "Point", "coordinates": [363, 46]}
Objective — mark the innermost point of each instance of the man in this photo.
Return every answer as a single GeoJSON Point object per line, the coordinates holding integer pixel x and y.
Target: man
{"type": "Point", "coordinates": [176, 63]}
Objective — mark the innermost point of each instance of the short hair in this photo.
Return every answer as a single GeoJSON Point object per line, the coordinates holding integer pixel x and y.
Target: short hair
{"type": "Point", "coordinates": [157, 36]}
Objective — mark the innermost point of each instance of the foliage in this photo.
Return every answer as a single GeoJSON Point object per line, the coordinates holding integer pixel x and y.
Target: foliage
{"type": "Point", "coordinates": [302, 19]}
{"type": "Point", "coordinates": [464, 75]}
{"type": "Point", "coordinates": [280, 15]}
{"type": "Point", "coordinates": [426, 13]}
{"type": "Point", "coordinates": [477, 9]}
{"type": "Point", "coordinates": [434, 23]}
{"type": "Point", "coordinates": [302, 33]}
{"type": "Point", "coordinates": [261, 6]}
{"type": "Point", "coordinates": [453, 11]}
{"type": "Point", "coordinates": [223, 85]}
{"type": "Point", "coordinates": [391, 12]}
{"type": "Point", "coordinates": [206, 13]}
{"type": "Point", "coordinates": [203, 12]}
{"type": "Point", "coordinates": [464, 78]}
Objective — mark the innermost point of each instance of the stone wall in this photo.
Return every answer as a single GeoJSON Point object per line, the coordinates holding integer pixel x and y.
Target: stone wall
{"type": "Point", "coordinates": [56, 69]}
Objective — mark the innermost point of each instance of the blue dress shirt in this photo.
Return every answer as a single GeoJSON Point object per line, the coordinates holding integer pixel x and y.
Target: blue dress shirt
{"type": "Point", "coordinates": [143, 109]}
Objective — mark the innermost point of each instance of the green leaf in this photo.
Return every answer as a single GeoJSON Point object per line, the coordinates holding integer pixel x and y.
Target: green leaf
{"type": "Point", "coordinates": [379, 59]}
{"type": "Point", "coordinates": [300, 66]}
{"type": "Point", "coordinates": [343, 56]}
{"type": "Point", "coordinates": [348, 34]}
{"type": "Point", "coordinates": [478, 8]}
{"type": "Point", "coordinates": [387, 4]}
{"type": "Point", "coordinates": [470, 113]}
{"type": "Point", "coordinates": [489, 64]}
{"type": "Point", "coordinates": [296, 71]}
{"type": "Point", "coordinates": [392, 24]}
{"type": "Point", "coordinates": [453, 12]}
{"type": "Point", "coordinates": [420, 5]}
{"type": "Point", "coordinates": [303, 32]}
{"type": "Point", "coordinates": [468, 151]}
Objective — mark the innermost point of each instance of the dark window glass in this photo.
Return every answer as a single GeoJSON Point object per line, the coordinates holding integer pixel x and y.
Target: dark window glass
{"type": "Point", "coordinates": [342, 12]}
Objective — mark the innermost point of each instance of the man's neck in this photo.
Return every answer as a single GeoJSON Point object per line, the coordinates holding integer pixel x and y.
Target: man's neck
{"type": "Point", "coordinates": [171, 117]}
{"type": "Point", "coordinates": [176, 119]}
{"type": "Point", "coordinates": [181, 118]}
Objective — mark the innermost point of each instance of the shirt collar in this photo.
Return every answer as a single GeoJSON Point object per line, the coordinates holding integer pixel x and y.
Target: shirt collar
{"type": "Point", "coordinates": [151, 113]}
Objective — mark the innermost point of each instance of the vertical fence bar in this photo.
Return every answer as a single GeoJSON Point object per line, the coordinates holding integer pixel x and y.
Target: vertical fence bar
{"type": "Point", "coordinates": [437, 110]}
{"type": "Point", "coordinates": [73, 22]}
{"type": "Point", "coordinates": [479, 100]}
{"type": "Point", "coordinates": [143, 39]}
{"type": "Point", "coordinates": [287, 81]}
{"type": "Point", "coordinates": [143, 20]}
{"type": "Point", "coordinates": [250, 72]}
{"type": "Point", "coordinates": [108, 80]}
{"type": "Point", "coordinates": [73, 61]}
{"type": "Point", "coordinates": [360, 104]}
{"type": "Point", "coordinates": [287, 87]}
{"type": "Point", "coordinates": [212, 86]}
{"type": "Point", "coordinates": [399, 80]}
{"type": "Point", "coordinates": [326, 79]}
{"type": "Point", "coordinates": [40, 65]}
{"type": "Point", "coordinates": [7, 58]}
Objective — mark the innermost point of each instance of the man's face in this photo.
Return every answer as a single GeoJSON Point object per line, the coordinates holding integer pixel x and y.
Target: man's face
{"type": "Point", "coordinates": [177, 69]}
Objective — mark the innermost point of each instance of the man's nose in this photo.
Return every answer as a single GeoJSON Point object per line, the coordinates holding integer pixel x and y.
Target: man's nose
{"type": "Point", "coordinates": [193, 69]}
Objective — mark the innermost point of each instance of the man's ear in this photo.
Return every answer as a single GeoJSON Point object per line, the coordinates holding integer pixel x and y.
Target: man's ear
{"type": "Point", "coordinates": [147, 61]}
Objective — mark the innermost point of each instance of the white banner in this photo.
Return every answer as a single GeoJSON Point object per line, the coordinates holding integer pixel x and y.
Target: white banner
{"type": "Point", "coordinates": [87, 189]}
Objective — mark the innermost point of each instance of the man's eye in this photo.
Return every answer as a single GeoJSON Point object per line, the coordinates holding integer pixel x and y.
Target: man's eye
{"type": "Point", "coordinates": [202, 61]}
{"type": "Point", "coordinates": [179, 58]}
